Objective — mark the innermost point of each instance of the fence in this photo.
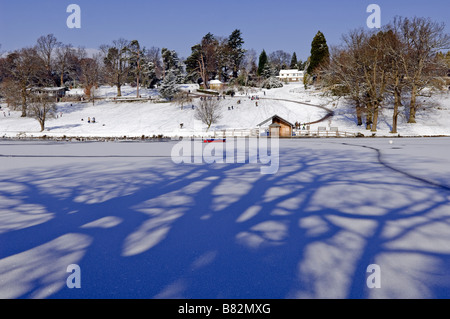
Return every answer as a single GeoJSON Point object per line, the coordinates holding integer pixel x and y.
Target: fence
{"type": "Point", "coordinates": [322, 132]}
{"type": "Point", "coordinates": [236, 133]}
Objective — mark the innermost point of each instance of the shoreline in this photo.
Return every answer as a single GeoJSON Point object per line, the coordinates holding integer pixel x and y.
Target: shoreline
{"type": "Point", "coordinates": [163, 138]}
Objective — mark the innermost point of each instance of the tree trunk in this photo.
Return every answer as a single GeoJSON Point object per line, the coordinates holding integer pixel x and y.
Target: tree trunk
{"type": "Point", "coordinates": [137, 75]}
{"type": "Point", "coordinates": [375, 117]}
{"type": "Point", "coordinates": [119, 90]}
{"type": "Point", "coordinates": [368, 117]}
{"type": "Point", "coordinates": [24, 104]}
{"type": "Point", "coordinates": [412, 106]}
{"type": "Point", "coordinates": [42, 125]}
{"type": "Point", "coordinates": [358, 112]}
{"type": "Point", "coordinates": [394, 119]}
{"type": "Point", "coordinates": [397, 103]}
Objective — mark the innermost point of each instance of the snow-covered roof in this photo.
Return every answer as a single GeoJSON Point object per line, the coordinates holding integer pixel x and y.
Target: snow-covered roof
{"type": "Point", "coordinates": [291, 72]}
{"type": "Point", "coordinates": [215, 82]}
{"type": "Point", "coordinates": [274, 117]}
{"type": "Point", "coordinates": [49, 89]}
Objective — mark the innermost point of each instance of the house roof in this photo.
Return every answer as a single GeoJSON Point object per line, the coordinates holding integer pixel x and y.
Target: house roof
{"type": "Point", "coordinates": [49, 89]}
{"type": "Point", "coordinates": [291, 71]}
{"type": "Point", "coordinates": [274, 117]}
{"type": "Point", "coordinates": [215, 82]}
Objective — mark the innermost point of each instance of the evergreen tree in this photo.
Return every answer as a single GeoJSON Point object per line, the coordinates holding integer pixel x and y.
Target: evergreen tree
{"type": "Point", "coordinates": [263, 60]}
{"type": "Point", "coordinates": [172, 64]}
{"type": "Point", "coordinates": [236, 52]}
{"type": "Point", "coordinates": [148, 73]}
{"type": "Point", "coordinates": [301, 65]}
{"type": "Point", "coordinates": [170, 59]}
{"type": "Point", "coordinates": [294, 62]}
{"type": "Point", "coordinates": [192, 64]}
{"type": "Point", "coordinates": [319, 52]}
{"type": "Point", "coordinates": [203, 61]}
{"type": "Point", "coordinates": [169, 85]}
{"type": "Point", "coordinates": [268, 71]}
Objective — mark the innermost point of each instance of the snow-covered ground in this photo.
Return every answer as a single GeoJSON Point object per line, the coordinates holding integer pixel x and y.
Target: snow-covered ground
{"type": "Point", "coordinates": [134, 119]}
{"type": "Point", "coordinates": [141, 226]}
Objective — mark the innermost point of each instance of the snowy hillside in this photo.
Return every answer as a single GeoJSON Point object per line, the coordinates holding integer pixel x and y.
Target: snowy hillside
{"type": "Point", "coordinates": [134, 119]}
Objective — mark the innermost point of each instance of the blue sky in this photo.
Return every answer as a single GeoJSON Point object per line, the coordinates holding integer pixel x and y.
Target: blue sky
{"type": "Point", "coordinates": [287, 25]}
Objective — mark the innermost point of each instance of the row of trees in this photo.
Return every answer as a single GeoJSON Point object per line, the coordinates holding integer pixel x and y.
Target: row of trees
{"type": "Point", "coordinates": [225, 59]}
{"type": "Point", "coordinates": [392, 66]}
{"type": "Point", "coordinates": [52, 63]}
{"type": "Point", "coordinates": [48, 63]}
{"type": "Point", "coordinates": [373, 69]}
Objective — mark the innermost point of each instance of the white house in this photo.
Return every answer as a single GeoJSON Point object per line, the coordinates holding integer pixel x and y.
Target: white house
{"type": "Point", "coordinates": [291, 75]}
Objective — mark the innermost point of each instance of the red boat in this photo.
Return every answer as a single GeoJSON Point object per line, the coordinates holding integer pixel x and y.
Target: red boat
{"type": "Point", "coordinates": [215, 140]}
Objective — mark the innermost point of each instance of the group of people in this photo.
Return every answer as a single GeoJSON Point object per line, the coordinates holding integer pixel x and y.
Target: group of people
{"type": "Point", "coordinates": [4, 112]}
{"type": "Point", "coordinates": [299, 125]}
{"type": "Point", "coordinates": [89, 120]}
{"type": "Point", "coordinates": [204, 98]}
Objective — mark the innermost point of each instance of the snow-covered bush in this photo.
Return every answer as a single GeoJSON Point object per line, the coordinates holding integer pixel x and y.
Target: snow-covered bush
{"type": "Point", "coordinates": [272, 82]}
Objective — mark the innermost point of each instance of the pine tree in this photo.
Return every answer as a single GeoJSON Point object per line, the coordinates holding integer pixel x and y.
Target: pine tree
{"type": "Point", "coordinates": [319, 52]}
{"type": "Point", "coordinates": [294, 62]}
{"type": "Point", "coordinates": [169, 86]}
{"type": "Point", "coordinates": [236, 51]}
{"type": "Point", "coordinates": [263, 60]}
{"type": "Point", "coordinates": [170, 59]}
{"type": "Point", "coordinates": [268, 71]}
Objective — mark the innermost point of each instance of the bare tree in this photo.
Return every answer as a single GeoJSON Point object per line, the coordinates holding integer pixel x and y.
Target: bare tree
{"type": "Point", "coordinates": [45, 48]}
{"type": "Point", "coordinates": [182, 98]}
{"type": "Point", "coordinates": [24, 68]}
{"type": "Point", "coordinates": [11, 93]}
{"type": "Point", "coordinates": [62, 60]}
{"type": "Point", "coordinates": [343, 76]}
{"type": "Point", "coordinates": [395, 50]}
{"type": "Point", "coordinates": [280, 59]}
{"type": "Point", "coordinates": [41, 107]}
{"type": "Point", "coordinates": [154, 55]}
{"type": "Point", "coordinates": [250, 61]}
{"type": "Point", "coordinates": [208, 111]}
{"type": "Point", "coordinates": [423, 38]}
{"type": "Point", "coordinates": [116, 62]}
{"type": "Point", "coordinates": [90, 73]}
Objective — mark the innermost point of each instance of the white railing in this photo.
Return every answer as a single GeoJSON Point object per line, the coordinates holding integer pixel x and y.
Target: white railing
{"type": "Point", "coordinates": [236, 133]}
{"type": "Point", "coordinates": [322, 133]}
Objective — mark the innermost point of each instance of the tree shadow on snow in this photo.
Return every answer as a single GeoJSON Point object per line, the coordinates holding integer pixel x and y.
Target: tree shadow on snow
{"type": "Point", "coordinates": [155, 229]}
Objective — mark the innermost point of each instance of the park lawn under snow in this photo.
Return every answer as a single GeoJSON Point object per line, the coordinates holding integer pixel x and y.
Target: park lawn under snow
{"type": "Point", "coordinates": [134, 119]}
{"type": "Point", "coordinates": [141, 226]}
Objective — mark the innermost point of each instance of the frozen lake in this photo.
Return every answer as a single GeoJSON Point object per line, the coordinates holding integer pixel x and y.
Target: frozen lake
{"type": "Point", "coordinates": [140, 225]}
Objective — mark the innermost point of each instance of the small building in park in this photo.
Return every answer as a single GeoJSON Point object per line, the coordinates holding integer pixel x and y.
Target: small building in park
{"type": "Point", "coordinates": [277, 126]}
{"type": "Point", "coordinates": [56, 92]}
{"type": "Point", "coordinates": [293, 75]}
{"type": "Point", "coordinates": [216, 85]}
